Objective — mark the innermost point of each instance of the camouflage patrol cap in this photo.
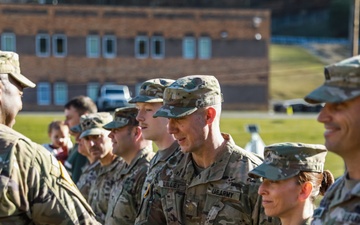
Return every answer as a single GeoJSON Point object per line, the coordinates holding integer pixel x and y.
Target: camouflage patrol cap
{"type": "Point", "coordinates": [9, 64]}
{"type": "Point", "coordinates": [122, 117]}
{"type": "Point", "coordinates": [342, 82]}
{"type": "Point", "coordinates": [187, 94]}
{"type": "Point", "coordinates": [92, 124]}
{"type": "Point", "coordinates": [152, 90]}
{"type": "Point", "coordinates": [286, 160]}
{"type": "Point", "coordinates": [76, 128]}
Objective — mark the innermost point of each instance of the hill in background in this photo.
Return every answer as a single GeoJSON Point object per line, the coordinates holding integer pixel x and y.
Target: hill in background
{"type": "Point", "coordinates": [295, 70]}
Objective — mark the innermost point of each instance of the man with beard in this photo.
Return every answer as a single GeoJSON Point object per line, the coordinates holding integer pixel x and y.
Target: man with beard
{"type": "Point", "coordinates": [129, 143]}
{"type": "Point", "coordinates": [100, 146]}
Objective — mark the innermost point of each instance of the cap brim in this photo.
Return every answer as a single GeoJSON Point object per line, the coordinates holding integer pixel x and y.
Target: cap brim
{"type": "Point", "coordinates": [93, 131]}
{"type": "Point", "coordinates": [174, 112]}
{"type": "Point", "coordinates": [326, 93]}
{"type": "Point", "coordinates": [143, 98]}
{"type": "Point", "coordinates": [114, 125]}
{"type": "Point", "coordinates": [25, 82]}
{"type": "Point", "coordinates": [272, 173]}
{"type": "Point", "coordinates": [76, 129]}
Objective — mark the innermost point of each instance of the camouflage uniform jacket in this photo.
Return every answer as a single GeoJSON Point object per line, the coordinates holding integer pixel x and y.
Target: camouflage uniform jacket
{"type": "Point", "coordinates": [75, 162]}
{"type": "Point", "coordinates": [220, 194]}
{"type": "Point", "coordinates": [35, 187]}
{"type": "Point", "coordinates": [156, 164]}
{"type": "Point", "coordinates": [336, 208]}
{"type": "Point", "coordinates": [99, 193]}
{"type": "Point", "coordinates": [87, 178]}
{"type": "Point", "coordinates": [126, 193]}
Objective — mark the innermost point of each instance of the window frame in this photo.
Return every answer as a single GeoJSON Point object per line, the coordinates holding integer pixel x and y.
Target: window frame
{"type": "Point", "coordinates": [12, 37]}
{"type": "Point", "coordinates": [46, 37]}
{"type": "Point", "coordinates": [92, 90]}
{"type": "Point", "coordinates": [154, 41]}
{"type": "Point", "coordinates": [56, 52]}
{"type": "Point", "coordinates": [60, 93]}
{"type": "Point", "coordinates": [139, 39]}
{"type": "Point", "coordinates": [201, 52]}
{"type": "Point", "coordinates": [43, 93]}
{"type": "Point", "coordinates": [105, 39]}
{"type": "Point", "coordinates": [89, 41]}
{"type": "Point", "coordinates": [185, 48]}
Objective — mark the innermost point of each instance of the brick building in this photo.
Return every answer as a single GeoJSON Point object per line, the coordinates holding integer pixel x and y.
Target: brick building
{"type": "Point", "coordinates": [68, 50]}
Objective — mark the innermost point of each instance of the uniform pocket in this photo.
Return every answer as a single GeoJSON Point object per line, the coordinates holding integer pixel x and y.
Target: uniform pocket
{"type": "Point", "coordinates": [225, 206]}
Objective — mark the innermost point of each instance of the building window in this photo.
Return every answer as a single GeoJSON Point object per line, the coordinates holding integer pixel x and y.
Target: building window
{"type": "Point", "coordinates": [42, 45]}
{"type": "Point", "coordinates": [43, 93]}
{"type": "Point", "coordinates": [157, 47]}
{"type": "Point", "coordinates": [8, 42]}
{"type": "Point", "coordinates": [60, 93]}
{"type": "Point", "coordinates": [59, 45]}
{"type": "Point", "coordinates": [189, 48]}
{"type": "Point", "coordinates": [109, 46]}
{"type": "Point", "coordinates": [92, 90]}
{"type": "Point", "coordinates": [204, 48]}
{"type": "Point", "coordinates": [141, 47]}
{"type": "Point", "coordinates": [93, 46]}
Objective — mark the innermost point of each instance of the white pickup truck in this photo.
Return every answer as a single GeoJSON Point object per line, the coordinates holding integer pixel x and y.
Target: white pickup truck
{"type": "Point", "coordinates": [112, 96]}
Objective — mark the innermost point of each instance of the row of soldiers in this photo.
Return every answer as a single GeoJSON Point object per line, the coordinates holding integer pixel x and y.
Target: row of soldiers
{"type": "Point", "coordinates": [197, 176]}
{"type": "Point", "coordinates": [120, 185]}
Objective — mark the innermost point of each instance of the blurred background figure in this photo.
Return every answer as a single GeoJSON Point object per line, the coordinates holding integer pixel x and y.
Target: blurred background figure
{"type": "Point", "coordinates": [74, 109]}
{"type": "Point", "coordinates": [256, 144]}
{"type": "Point", "coordinates": [61, 143]}
{"type": "Point", "coordinates": [293, 177]}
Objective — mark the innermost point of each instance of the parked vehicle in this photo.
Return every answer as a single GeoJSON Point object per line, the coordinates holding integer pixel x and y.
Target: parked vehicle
{"type": "Point", "coordinates": [297, 105]}
{"type": "Point", "coordinates": [112, 96]}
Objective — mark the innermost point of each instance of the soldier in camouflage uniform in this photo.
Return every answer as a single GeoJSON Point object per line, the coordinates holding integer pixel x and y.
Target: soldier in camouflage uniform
{"type": "Point", "coordinates": [128, 143]}
{"type": "Point", "coordinates": [148, 101]}
{"type": "Point", "coordinates": [35, 187]}
{"type": "Point", "coordinates": [209, 183]}
{"type": "Point", "coordinates": [100, 145]}
{"type": "Point", "coordinates": [341, 118]}
{"type": "Point", "coordinates": [89, 171]}
{"type": "Point", "coordinates": [74, 109]}
{"type": "Point", "coordinates": [293, 176]}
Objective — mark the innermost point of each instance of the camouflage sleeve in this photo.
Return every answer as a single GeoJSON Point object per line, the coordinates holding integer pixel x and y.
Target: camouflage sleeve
{"type": "Point", "coordinates": [51, 196]}
{"type": "Point", "coordinates": [152, 211]}
{"type": "Point", "coordinates": [126, 197]}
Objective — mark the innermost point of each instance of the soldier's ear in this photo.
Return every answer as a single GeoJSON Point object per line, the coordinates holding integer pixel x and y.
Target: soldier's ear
{"type": "Point", "coordinates": [210, 114]}
{"type": "Point", "coordinates": [306, 189]}
{"type": "Point", "coordinates": [137, 132]}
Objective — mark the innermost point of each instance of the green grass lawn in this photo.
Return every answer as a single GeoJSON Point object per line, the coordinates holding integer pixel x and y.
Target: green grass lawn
{"type": "Point", "coordinates": [272, 130]}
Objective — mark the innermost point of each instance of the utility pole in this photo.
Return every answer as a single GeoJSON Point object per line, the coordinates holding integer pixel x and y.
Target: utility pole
{"type": "Point", "coordinates": [355, 28]}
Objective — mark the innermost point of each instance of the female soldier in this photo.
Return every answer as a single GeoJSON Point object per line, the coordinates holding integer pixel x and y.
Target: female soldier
{"type": "Point", "coordinates": [293, 177]}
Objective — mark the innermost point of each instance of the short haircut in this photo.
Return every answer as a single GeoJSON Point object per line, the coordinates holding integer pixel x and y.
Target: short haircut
{"type": "Point", "coordinates": [56, 125]}
{"type": "Point", "coordinates": [82, 104]}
